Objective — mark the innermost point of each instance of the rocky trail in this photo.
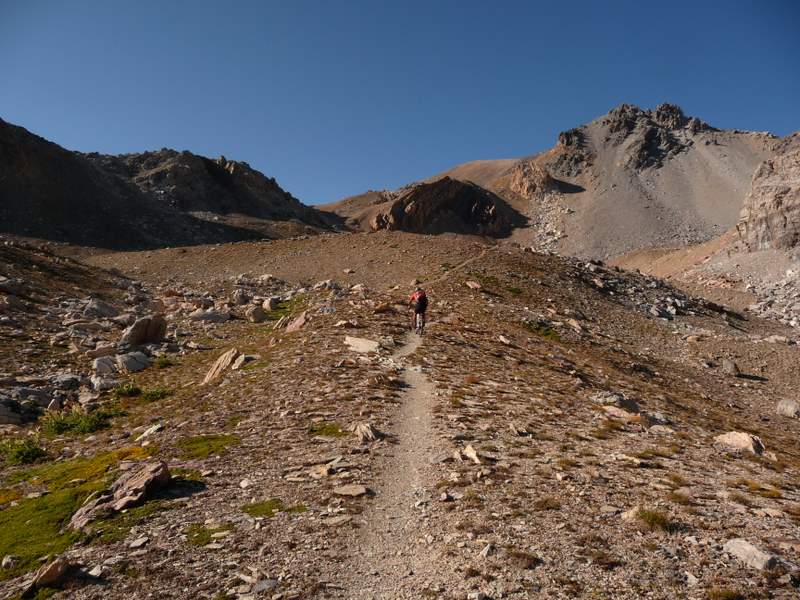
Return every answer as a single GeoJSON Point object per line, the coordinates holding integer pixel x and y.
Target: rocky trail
{"type": "Point", "coordinates": [392, 559]}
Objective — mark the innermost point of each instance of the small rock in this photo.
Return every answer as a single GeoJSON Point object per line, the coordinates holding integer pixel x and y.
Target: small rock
{"type": "Point", "coordinates": [255, 314]}
{"type": "Point", "coordinates": [139, 543]}
{"type": "Point", "coordinates": [730, 368]}
{"type": "Point", "coordinates": [352, 490]}
{"type": "Point", "coordinates": [9, 560]}
{"type": "Point", "coordinates": [149, 329]}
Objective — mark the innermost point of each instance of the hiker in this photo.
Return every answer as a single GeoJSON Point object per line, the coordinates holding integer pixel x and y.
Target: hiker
{"type": "Point", "coordinates": [419, 304]}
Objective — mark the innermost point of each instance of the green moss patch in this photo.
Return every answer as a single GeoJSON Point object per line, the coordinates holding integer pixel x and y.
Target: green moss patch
{"type": "Point", "coordinates": [35, 527]}
{"type": "Point", "coordinates": [200, 535]}
{"type": "Point", "coordinates": [203, 446]}
{"type": "Point", "coordinates": [288, 307]}
{"type": "Point", "coordinates": [270, 508]}
{"type": "Point", "coordinates": [117, 527]}
{"type": "Point", "coordinates": [543, 331]}
{"type": "Point", "coordinates": [326, 429]}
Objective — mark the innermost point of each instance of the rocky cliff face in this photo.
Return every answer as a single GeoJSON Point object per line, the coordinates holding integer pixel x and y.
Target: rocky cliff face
{"type": "Point", "coordinates": [142, 200]}
{"type": "Point", "coordinates": [770, 216]}
{"type": "Point", "coordinates": [447, 205]}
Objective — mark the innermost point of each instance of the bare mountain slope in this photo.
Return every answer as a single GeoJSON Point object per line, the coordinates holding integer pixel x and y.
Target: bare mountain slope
{"type": "Point", "coordinates": [630, 179]}
{"type": "Point", "coordinates": [138, 200]}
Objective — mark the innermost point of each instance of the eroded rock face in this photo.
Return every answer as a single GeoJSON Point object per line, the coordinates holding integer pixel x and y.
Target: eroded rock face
{"type": "Point", "coordinates": [446, 205]}
{"type": "Point", "coordinates": [770, 216]}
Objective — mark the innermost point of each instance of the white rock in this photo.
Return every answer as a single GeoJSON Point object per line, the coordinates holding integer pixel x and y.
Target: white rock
{"type": "Point", "coordinates": [105, 365]}
{"type": "Point", "coordinates": [788, 408]}
{"type": "Point", "coordinates": [750, 555]}
{"type": "Point", "coordinates": [739, 440]}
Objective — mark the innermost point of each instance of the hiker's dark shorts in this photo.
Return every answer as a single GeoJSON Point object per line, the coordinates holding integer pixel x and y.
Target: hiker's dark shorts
{"type": "Point", "coordinates": [420, 308]}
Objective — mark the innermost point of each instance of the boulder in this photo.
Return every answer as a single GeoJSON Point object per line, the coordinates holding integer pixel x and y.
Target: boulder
{"type": "Point", "coordinates": [132, 362]}
{"type": "Point", "coordinates": [145, 330]}
{"type": "Point", "coordinates": [105, 365]}
{"type": "Point", "coordinates": [750, 555]}
{"type": "Point", "coordinates": [130, 489]}
{"type": "Point", "coordinates": [51, 573]}
{"type": "Point", "coordinates": [297, 323]}
{"type": "Point", "coordinates": [740, 441]}
{"type": "Point", "coordinates": [220, 365]}
{"type": "Point", "coordinates": [240, 298]}
{"type": "Point", "coordinates": [100, 383]}
{"type": "Point", "coordinates": [788, 408]}
{"type": "Point", "coordinates": [271, 303]}
{"type": "Point", "coordinates": [255, 314]}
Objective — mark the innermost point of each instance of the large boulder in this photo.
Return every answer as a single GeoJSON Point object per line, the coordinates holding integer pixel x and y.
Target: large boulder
{"type": "Point", "coordinates": [132, 362]}
{"type": "Point", "coordinates": [146, 330]}
{"type": "Point", "coordinates": [130, 489]}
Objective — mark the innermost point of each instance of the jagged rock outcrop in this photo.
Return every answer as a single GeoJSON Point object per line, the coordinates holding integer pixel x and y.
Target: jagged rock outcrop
{"type": "Point", "coordinates": [447, 205]}
{"type": "Point", "coordinates": [529, 180]}
{"type": "Point", "coordinates": [770, 216]}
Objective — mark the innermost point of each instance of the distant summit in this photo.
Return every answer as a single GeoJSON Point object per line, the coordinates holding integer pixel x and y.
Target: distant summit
{"type": "Point", "coordinates": [632, 178]}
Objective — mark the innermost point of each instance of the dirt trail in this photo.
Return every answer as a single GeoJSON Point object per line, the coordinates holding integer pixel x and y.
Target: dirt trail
{"type": "Point", "coordinates": [393, 558]}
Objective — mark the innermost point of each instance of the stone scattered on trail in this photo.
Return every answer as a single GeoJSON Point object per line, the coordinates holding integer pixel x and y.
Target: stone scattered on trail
{"type": "Point", "coordinates": [220, 365]}
{"type": "Point", "coordinates": [132, 362]}
{"type": "Point", "coordinates": [352, 490]}
{"type": "Point", "coordinates": [351, 324]}
{"type": "Point", "coordinates": [730, 368]}
{"type": "Point", "coordinates": [149, 329]}
{"type": "Point", "coordinates": [348, 271]}
{"type": "Point", "coordinates": [750, 555]}
{"type": "Point", "coordinates": [362, 345]}
{"type": "Point", "coordinates": [504, 340]}
{"type": "Point", "coordinates": [149, 431]}
{"type": "Point", "coordinates": [366, 433]}
{"type": "Point", "coordinates": [130, 489]}
{"type": "Point", "coordinates": [255, 314]}
{"type": "Point", "coordinates": [297, 323]}
{"type": "Point", "coordinates": [606, 399]}
{"type": "Point", "coordinates": [244, 359]}
{"type": "Point", "coordinates": [337, 521]}
{"type": "Point", "coordinates": [473, 285]}
{"type": "Point", "coordinates": [320, 471]}
{"type": "Point", "coordinates": [739, 440]}
{"type": "Point", "coordinates": [471, 454]}
{"type": "Point", "coordinates": [788, 408]}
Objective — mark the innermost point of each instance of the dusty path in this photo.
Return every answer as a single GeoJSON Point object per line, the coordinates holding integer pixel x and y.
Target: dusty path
{"type": "Point", "coordinates": [394, 557]}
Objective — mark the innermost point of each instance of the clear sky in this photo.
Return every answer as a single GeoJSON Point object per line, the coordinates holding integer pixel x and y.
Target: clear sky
{"type": "Point", "coordinates": [335, 97]}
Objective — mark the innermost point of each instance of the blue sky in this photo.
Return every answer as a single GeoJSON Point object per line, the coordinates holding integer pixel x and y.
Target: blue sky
{"type": "Point", "coordinates": [336, 97]}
